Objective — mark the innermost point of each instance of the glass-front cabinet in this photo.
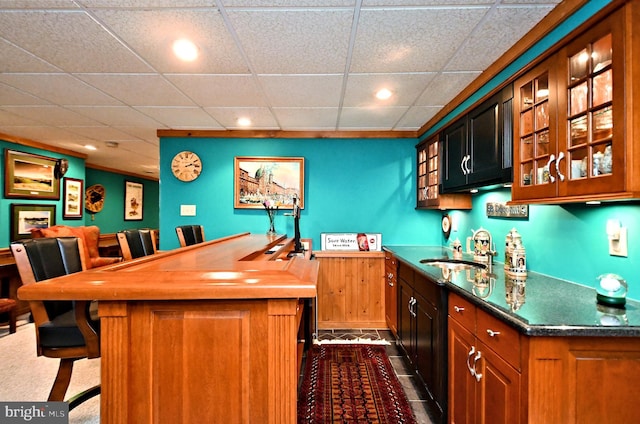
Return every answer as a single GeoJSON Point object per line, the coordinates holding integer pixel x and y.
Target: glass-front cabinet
{"type": "Point", "coordinates": [569, 123]}
{"type": "Point", "coordinates": [428, 166]}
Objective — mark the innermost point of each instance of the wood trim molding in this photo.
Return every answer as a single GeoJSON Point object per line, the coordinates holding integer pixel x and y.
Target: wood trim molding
{"type": "Point", "coordinates": [284, 134]}
{"type": "Point", "coordinates": [120, 172]}
{"type": "Point", "coordinates": [38, 145]}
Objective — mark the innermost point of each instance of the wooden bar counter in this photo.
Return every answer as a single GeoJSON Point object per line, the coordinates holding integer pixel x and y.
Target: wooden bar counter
{"type": "Point", "coordinates": [202, 334]}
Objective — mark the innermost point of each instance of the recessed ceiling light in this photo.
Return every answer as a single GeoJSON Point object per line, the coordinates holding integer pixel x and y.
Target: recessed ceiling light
{"type": "Point", "coordinates": [383, 94]}
{"type": "Point", "coordinates": [185, 50]}
{"type": "Point", "coordinates": [90, 147]}
{"type": "Point", "coordinates": [244, 122]}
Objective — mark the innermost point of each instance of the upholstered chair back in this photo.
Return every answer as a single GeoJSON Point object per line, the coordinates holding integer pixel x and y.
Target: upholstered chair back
{"type": "Point", "coordinates": [136, 243]}
{"type": "Point", "coordinates": [190, 234]}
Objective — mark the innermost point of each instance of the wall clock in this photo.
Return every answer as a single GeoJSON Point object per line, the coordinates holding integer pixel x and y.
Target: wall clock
{"type": "Point", "coordinates": [94, 198]}
{"type": "Point", "coordinates": [186, 166]}
{"type": "Point", "coordinates": [446, 226]}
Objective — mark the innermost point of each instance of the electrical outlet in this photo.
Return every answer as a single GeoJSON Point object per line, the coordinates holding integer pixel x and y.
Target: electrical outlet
{"type": "Point", "coordinates": [619, 247]}
{"type": "Point", "coordinates": [187, 210]}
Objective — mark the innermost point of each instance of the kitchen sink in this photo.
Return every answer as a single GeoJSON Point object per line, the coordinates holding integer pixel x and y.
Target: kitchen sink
{"type": "Point", "coordinates": [453, 264]}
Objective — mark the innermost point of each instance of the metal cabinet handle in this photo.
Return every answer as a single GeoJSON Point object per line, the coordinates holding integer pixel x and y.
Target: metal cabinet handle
{"type": "Point", "coordinates": [560, 175]}
{"type": "Point", "coordinates": [466, 164]}
{"type": "Point", "coordinates": [458, 309]}
{"type": "Point", "coordinates": [475, 371]}
{"type": "Point", "coordinates": [492, 333]}
{"type": "Point", "coordinates": [472, 371]}
{"type": "Point", "coordinates": [551, 160]}
{"type": "Point", "coordinates": [411, 304]}
{"type": "Point", "coordinates": [464, 171]}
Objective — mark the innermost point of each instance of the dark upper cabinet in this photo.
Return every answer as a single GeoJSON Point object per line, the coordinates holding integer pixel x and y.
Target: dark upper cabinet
{"type": "Point", "coordinates": [477, 148]}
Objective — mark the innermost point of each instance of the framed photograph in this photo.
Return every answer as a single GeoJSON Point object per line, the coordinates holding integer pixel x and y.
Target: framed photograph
{"type": "Point", "coordinates": [24, 218]}
{"type": "Point", "coordinates": [133, 198]}
{"type": "Point", "coordinates": [276, 179]}
{"type": "Point", "coordinates": [72, 198]}
{"type": "Point", "coordinates": [30, 176]}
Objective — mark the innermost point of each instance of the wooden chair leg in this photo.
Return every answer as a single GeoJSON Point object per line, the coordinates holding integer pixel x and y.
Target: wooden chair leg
{"type": "Point", "coordinates": [61, 384]}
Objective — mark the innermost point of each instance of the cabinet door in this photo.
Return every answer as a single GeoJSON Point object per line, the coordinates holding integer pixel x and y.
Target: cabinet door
{"type": "Point", "coordinates": [405, 318]}
{"type": "Point", "coordinates": [497, 391]}
{"type": "Point", "coordinates": [430, 353]}
{"type": "Point", "coordinates": [591, 112]}
{"type": "Point", "coordinates": [391, 293]}
{"type": "Point", "coordinates": [455, 155]}
{"type": "Point", "coordinates": [487, 136]}
{"type": "Point", "coordinates": [462, 385]}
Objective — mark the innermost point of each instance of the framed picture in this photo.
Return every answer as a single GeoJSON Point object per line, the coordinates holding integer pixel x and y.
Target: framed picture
{"type": "Point", "coordinates": [72, 198]}
{"type": "Point", "coordinates": [30, 176]}
{"type": "Point", "coordinates": [24, 218]}
{"type": "Point", "coordinates": [133, 198]}
{"type": "Point", "coordinates": [277, 179]}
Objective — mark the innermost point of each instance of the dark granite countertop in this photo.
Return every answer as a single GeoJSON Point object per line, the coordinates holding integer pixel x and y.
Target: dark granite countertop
{"type": "Point", "coordinates": [537, 306]}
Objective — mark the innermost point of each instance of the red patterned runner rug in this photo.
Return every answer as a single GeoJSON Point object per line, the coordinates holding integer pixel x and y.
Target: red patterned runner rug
{"type": "Point", "coordinates": [351, 384]}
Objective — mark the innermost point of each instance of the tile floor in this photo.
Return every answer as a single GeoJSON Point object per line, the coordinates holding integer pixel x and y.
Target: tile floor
{"type": "Point", "coordinates": [414, 393]}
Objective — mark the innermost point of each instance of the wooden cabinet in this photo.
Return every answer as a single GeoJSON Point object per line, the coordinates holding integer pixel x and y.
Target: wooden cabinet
{"type": "Point", "coordinates": [351, 289]}
{"type": "Point", "coordinates": [391, 292]}
{"type": "Point", "coordinates": [574, 118]}
{"type": "Point", "coordinates": [428, 195]}
{"type": "Point", "coordinates": [498, 375]}
{"type": "Point", "coordinates": [484, 367]}
{"type": "Point", "coordinates": [422, 333]}
{"type": "Point", "coordinates": [477, 147]}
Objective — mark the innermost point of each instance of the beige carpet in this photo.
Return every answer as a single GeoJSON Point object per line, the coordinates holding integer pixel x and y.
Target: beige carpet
{"type": "Point", "coordinates": [27, 377]}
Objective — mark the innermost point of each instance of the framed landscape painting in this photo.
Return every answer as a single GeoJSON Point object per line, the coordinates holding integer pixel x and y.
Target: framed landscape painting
{"type": "Point", "coordinates": [24, 218]}
{"type": "Point", "coordinates": [30, 176]}
{"type": "Point", "coordinates": [278, 180]}
{"type": "Point", "coordinates": [72, 195]}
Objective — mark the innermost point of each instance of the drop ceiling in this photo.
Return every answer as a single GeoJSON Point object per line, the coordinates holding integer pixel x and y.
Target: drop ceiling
{"type": "Point", "coordinates": [83, 72]}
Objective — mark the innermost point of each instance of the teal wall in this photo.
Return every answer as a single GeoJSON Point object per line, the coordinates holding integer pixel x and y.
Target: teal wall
{"type": "Point", "coordinates": [350, 186]}
{"type": "Point", "coordinates": [110, 220]}
{"type": "Point", "coordinates": [567, 242]}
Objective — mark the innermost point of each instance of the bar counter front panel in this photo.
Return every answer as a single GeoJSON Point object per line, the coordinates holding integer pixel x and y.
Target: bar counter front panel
{"type": "Point", "coordinates": [206, 333]}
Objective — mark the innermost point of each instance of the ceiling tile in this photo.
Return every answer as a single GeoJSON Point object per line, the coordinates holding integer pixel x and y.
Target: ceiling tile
{"type": "Point", "coordinates": [372, 118]}
{"type": "Point", "coordinates": [261, 117]}
{"type": "Point", "coordinates": [151, 33]}
{"type": "Point", "coordinates": [416, 117]}
{"type": "Point", "coordinates": [181, 117]}
{"type": "Point", "coordinates": [495, 35]}
{"type": "Point", "coordinates": [51, 115]}
{"type": "Point", "coordinates": [445, 87]}
{"type": "Point", "coordinates": [115, 115]}
{"type": "Point", "coordinates": [411, 40]}
{"type": "Point", "coordinates": [138, 89]}
{"type": "Point", "coordinates": [59, 89]}
{"type": "Point", "coordinates": [21, 60]}
{"type": "Point", "coordinates": [361, 88]}
{"type": "Point", "coordinates": [72, 41]}
{"type": "Point", "coordinates": [294, 41]}
{"type": "Point", "coordinates": [302, 90]}
{"type": "Point", "coordinates": [292, 119]}
{"type": "Point", "coordinates": [220, 90]}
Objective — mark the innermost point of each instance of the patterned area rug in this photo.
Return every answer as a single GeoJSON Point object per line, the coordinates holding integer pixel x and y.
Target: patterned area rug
{"type": "Point", "coordinates": [351, 384]}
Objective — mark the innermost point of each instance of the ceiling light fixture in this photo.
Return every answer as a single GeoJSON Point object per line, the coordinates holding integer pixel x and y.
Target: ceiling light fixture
{"type": "Point", "coordinates": [244, 122]}
{"type": "Point", "coordinates": [383, 94]}
{"type": "Point", "coordinates": [90, 147]}
{"type": "Point", "coordinates": [185, 50]}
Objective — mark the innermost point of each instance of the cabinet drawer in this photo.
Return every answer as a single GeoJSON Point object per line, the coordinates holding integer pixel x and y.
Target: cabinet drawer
{"type": "Point", "coordinates": [405, 272]}
{"type": "Point", "coordinates": [500, 337]}
{"type": "Point", "coordinates": [462, 311]}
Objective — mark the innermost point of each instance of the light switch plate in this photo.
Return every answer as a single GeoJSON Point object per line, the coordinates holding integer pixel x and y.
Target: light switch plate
{"type": "Point", "coordinates": [619, 247]}
{"type": "Point", "coordinates": [187, 210]}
